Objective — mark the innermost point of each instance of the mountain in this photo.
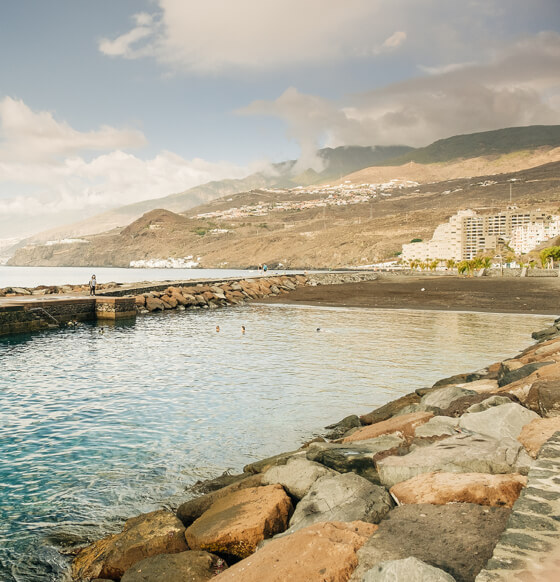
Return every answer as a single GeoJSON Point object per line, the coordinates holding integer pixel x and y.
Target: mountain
{"type": "Point", "coordinates": [486, 143]}
{"type": "Point", "coordinates": [338, 162]}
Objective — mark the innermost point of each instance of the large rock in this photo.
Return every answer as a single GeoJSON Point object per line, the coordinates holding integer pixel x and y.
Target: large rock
{"type": "Point", "coordinates": [537, 432]}
{"type": "Point", "coordinates": [296, 476]}
{"type": "Point", "coordinates": [457, 454]}
{"type": "Point", "coordinates": [489, 402]}
{"type": "Point", "coordinates": [442, 488]}
{"type": "Point", "coordinates": [544, 397]}
{"type": "Point", "coordinates": [183, 567]}
{"type": "Point", "coordinates": [437, 426]}
{"type": "Point", "coordinates": [154, 304]}
{"type": "Point", "coordinates": [481, 386]}
{"type": "Point", "coordinates": [405, 425]}
{"type": "Point", "coordinates": [190, 510]}
{"type": "Point", "coordinates": [159, 532]}
{"type": "Point", "coordinates": [390, 409]}
{"type": "Point", "coordinates": [354, 457]}
{"type": "Point", "coordinates": [457, 538]}
{"type": "Point", "coordinates": [461, 405]}
{"type": "Point", "coordinates": [234, 525]}
{"type": "Point", "coordinates": [265, 464]}
{"type": "Point", "coordinates": [505, 421]}
{"type": "Point", "coordinates": [443, 397]}
{"type": "Point", "coordinates": [324, 552]}
{"type": "Point", "coordinates": [340, 428]}
{"type": "Point", "coordinates": [409, 569]}
{"type": "Point", "coordinates": [522, 372]}
{"type": "Point", "coordinates": [346, 497]}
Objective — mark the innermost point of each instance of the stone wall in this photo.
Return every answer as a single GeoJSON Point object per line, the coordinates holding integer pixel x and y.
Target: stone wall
{"type": "Point", "coordinates": [16, 319]}
{"type": "Point", "coordinates": [115, 307]}
{"type": "Point", "coordinates": [529, 548]}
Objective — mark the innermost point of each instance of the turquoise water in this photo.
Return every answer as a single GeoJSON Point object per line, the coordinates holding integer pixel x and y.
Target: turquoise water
{"type": "Point", "coordinates": [97, 427]}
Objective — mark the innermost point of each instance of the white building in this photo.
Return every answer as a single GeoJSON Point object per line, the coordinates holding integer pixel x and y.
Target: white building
{"type": "Point", "coordinates": [527, 237]}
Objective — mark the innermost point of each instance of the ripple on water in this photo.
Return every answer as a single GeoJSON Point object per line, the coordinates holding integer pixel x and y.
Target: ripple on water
{"type": "Point", "coordinates": [97, 427]}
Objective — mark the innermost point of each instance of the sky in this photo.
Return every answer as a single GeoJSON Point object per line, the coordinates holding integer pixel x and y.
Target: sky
{"type": "Point", "coordinates": [107, 103]}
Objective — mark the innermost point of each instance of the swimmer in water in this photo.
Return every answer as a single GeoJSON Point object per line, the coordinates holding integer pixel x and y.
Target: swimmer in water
{"type": "Point", "coordinates": [218, 328]}
{"type": "Point", "coordinates": [242, 329]}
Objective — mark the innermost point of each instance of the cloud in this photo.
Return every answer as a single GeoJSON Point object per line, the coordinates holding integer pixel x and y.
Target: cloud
{"type": "Point", "coordinates": [44, 167]}
{"type": "Point", "coordinates": [395, 40]}
{"type": "Point", "coordinates": [519, 86]}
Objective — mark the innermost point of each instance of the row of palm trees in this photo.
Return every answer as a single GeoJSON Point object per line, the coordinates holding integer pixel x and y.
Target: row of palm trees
{"type": "Point", "coordinates": [462, 266]}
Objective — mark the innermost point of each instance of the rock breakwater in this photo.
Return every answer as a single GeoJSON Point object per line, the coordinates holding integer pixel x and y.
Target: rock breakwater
{"type": "Point", "coordinates": [458, 481]}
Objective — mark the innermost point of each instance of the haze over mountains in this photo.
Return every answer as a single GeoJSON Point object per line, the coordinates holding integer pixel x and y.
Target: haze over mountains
{"type": "Point", "coordinates": [353, 233]}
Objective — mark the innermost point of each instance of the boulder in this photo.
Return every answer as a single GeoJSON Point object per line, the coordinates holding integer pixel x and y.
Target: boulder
{"type": "Point", "coordinates": [340, 428]}
{"type": "Point", "coordinates": [235, 524]}
{"type": "Point", "coordinates": [437, 426]}
{"type": "Point", "coordinates": [534, 434]}
{"type": "Point", "coordinates": [169, 301]}
{"type": "Point", "coordinates": [345, 497]}
{"type": "Point", "coordinates": [442, 488]}
{"type": "Point", "coordinates": [190, 510]}
{"type": "Point", "coordinates": [140, 300]}
{"type": "Point", "coordinates": [355, 457]}
{"type": "Point", "coordinates": [481, 386]}
{"type": "Point", "coordinates": [443, 397]}
{"type": "Point", "coordinates": [158, 532]}
{"type": "Point", "coordinates": [504, 421]}
{"type": "Point", "coordinates": [154, 304]}
{"type": "Point", "coordinates": [390, 409]}
{"type": "Point", "coordinates": [543, 351]}
{"type": "Point", "coordinates": [183, 567]}
{"type": "Point", "coordinates": [409, 569]}
{"type": "Point", "coordinates": [458, 538]}
{"type": "Point", "coordinates": [488, 403]}
{"type": "Point", "coordinates": [457, 454]}
{"type": "Point", "coordinates": [456, 379]}
{"type": "Point", "coordinates": [264, 464]}
{"type": "Point", "coordinates": [296, 476]}
{"type": "Point", "coordinates": [544, 397]}
{"type": "Point", "coordinates": [324, 552]}
{"type": "Point", "coordinates": [405, 424]}
{"type": "Point", "coordinates": [510, 376]}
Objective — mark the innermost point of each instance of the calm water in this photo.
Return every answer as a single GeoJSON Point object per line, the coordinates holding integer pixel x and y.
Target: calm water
{"type": "Point", "coordinates": [97, 427]}
{"type": "Point", "coordinates": [34, 276]}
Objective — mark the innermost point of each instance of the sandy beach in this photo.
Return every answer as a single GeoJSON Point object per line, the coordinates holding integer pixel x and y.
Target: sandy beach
{"type": "Point", "coordinates": [535, 295]}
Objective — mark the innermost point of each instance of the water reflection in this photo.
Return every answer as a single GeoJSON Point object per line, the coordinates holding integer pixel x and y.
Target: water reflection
{"type": "Point", "coordinates": [96, 427]}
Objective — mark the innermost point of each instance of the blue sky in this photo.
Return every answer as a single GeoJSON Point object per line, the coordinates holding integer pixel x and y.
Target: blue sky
{"type": "Point", "coordinates": [106, 103]}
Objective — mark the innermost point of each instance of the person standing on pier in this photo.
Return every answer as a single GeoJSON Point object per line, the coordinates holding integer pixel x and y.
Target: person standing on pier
{"type": "Point", "coordinates": [92, 284]}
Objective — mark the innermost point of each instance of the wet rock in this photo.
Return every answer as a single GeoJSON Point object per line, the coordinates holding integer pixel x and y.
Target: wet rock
{"type": "Point", "coordinates": [488, 403]}
{"type": "Point", "coordinates": [405, 425]}
{"type": "Point", "coordinates": [409, 569]}
{"type": "Point", "coordinates": [356, 457]}
{"type": "Point", "coordinates": [499, 422]}
{"type": "Point", "coordinates": [390, 409]}
{"type": "Point", "coordinates": [235, 524]}
{"type": "Point", "coordinates": [443, 397]}
{"type": "Point", "coordinates": [191, 510]}
{"type": "Point", "coordinates": [296, 476]}
{"type": "Point", "coordinates": [154, 304]}
{"type": "Point", "coordinates": [159, 532]}
{"type": "Point", "coordinates": [342, 427]}
{"type": "Point", "coordinates": [534, 434]}
{"type": "Point", "coordinates": [324, 552]}
{"type": "Point", "coordinates": [264, 464]}
{"type": "Point", "coordinates": [457, 454]}
{"type": "Point", "coordinates": [457, 538]}
{"type": "Point", "coordinates": [442, 488]}
{"type": "Point", "coordinates": [346, 497]}
{"type": "Point", "coordinates": [514, 375]}
{"type": "Point", "coordinates": [183, 567]}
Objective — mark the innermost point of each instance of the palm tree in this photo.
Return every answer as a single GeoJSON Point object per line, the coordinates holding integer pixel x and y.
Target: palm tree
{"type": "Point", "coordinates": [462, 267]}
{"type": "Point", "coordinates": [450, 264]}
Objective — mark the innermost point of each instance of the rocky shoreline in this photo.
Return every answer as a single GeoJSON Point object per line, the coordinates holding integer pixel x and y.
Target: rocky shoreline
{"type": "Point", "coordinates": [458, 481]}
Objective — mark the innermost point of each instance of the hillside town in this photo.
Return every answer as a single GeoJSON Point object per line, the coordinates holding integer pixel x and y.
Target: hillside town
{"type": "Point", "coordinates": [319, 196]}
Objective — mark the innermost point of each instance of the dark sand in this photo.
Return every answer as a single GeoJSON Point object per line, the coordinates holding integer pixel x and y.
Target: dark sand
{"type": "Point", "coordinates": [536, 295]}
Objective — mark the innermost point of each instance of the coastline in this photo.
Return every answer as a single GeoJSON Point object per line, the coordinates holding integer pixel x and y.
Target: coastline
{"type": "Point", "coordinates": [442, 293]}
{"type": "Point", "coordinates": [502, 426]}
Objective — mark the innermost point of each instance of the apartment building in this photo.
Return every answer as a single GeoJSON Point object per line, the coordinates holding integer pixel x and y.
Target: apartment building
{"type": "Point", "coordinates": [467, 234]}
{"type": "Point", "coordinates": [528, 236]}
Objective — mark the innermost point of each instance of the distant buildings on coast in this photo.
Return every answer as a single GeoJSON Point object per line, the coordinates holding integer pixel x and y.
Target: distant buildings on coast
{"type": "Point", "coordinates": [468, 234]}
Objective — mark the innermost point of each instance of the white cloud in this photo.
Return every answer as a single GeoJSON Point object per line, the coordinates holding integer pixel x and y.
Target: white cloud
{"type": "Point", "coordinates": [44, 173]}
{"type": "Point", "coordinates": [518, 87]}
{"type": "Point", "coordinates": [395, 40]}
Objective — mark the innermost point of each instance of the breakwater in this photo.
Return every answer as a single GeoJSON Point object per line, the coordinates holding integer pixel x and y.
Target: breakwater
{"type": "Point", "coordinates": [25, 310]}
{"type": "Point", "coordinates": [447, 482]}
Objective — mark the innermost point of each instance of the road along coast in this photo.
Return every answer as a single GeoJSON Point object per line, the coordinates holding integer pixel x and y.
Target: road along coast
{"type": "Point", "coordinates": [457, 481]}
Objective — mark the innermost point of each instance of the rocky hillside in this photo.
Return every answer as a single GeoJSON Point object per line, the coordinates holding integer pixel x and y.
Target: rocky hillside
{"type": "Point", "coordinates": [298, 234]}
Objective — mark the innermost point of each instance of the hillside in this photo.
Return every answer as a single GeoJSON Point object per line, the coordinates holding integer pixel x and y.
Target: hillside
{"type": "Point", "coordinates": [305, 228]}
{"type": "Point", "coordinates": [486, 143]}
